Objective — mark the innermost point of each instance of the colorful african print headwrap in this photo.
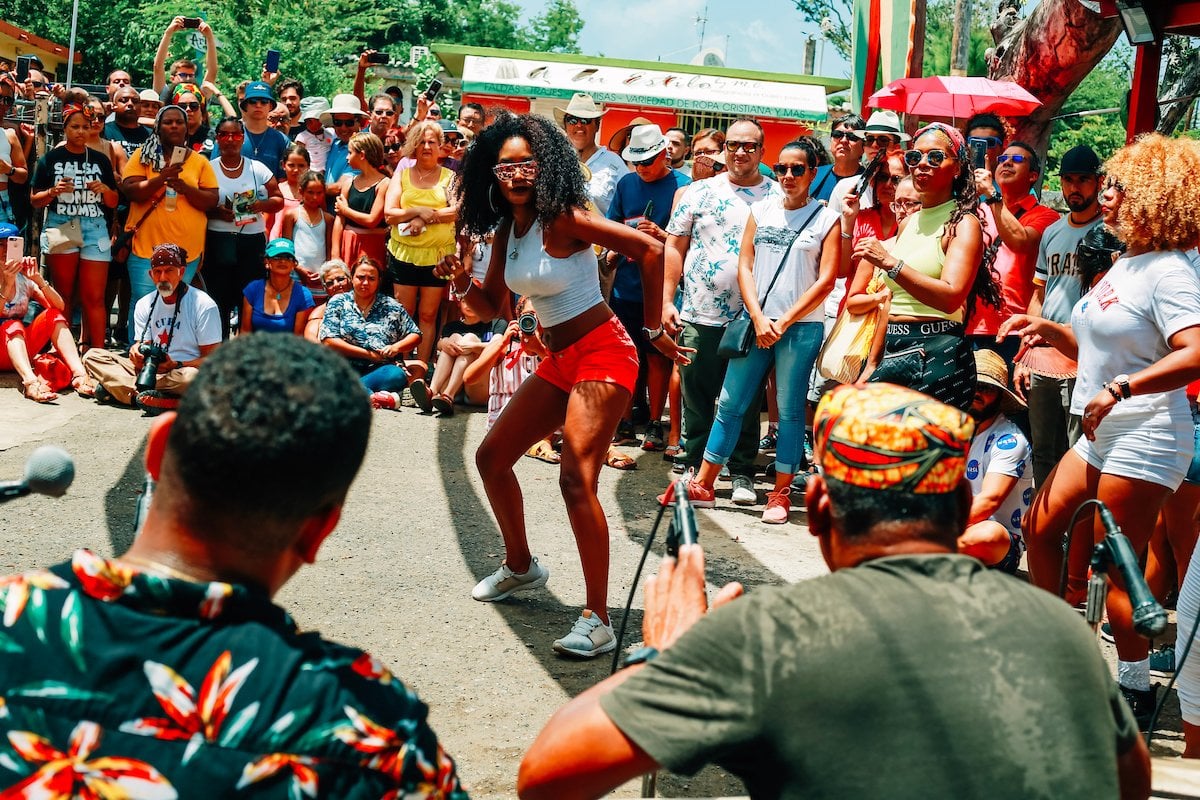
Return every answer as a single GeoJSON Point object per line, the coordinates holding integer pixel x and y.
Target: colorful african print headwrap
{"type": "Point", "coordinates": [71, 109]}
{"type": "Point", "coordinates": [886, 437]}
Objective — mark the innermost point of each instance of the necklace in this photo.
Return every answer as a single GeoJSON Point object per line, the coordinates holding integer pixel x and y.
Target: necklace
{"type": "Point", "coordinates": [236, 170]}
{"type": "Point", "coordinates": [163, 569]}
{"type": "Point", "coordinates": [279, 293]}
{"type": "Point", "coordinates": [423, 175]}
{"type": "Point", "coordinates": [516, 245]}
{"type": "Point", "coordinates": [256, 140]}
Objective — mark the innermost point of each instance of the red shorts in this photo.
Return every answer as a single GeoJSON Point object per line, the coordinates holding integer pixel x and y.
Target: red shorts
{"type": "Point", "coordinates": [605, 354]}
{"type": "Point", "coordinates": [37, 334]}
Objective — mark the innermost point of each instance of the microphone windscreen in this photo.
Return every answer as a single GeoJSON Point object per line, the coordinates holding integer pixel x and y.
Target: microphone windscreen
{"type": "Point", "coordinates": [49, 470]}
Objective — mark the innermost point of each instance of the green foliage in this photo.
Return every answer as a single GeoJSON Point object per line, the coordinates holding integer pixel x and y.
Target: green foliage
{"type": "Point", "coordinates": [834, 17]}
{"type": "Point", "coordinates": [320, 39]}
{"type": "Point", "coordinates": [1104, 87]}
{"type": "Point", "coordinates": [939, 37]}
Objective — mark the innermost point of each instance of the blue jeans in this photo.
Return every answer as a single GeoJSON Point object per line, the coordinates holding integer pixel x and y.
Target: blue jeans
{"type": "Point", "coordinates": [793, 357]}
{"type": "Point", "coordinates": [385, 378]}
{"type": "Point", "coordinates": [140, 284]}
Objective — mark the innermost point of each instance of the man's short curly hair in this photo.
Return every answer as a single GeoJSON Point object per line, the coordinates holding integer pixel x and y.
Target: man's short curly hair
{"type": "Point", "coordinates": [274, 428]}
{"type": "Point", "coordinates": [558, 188]}
{"type": "Point", "coordinates": [1161, 178]}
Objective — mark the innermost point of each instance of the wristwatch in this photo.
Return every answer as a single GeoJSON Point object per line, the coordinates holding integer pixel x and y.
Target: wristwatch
{"type": "Point", "coordinates": [1122, 384]}
{"type": "Point", "coordinates": [994, 197]}
{"type": "Point", "coordinates": [639, 656]}
{"type": "Point", "coordinates": [652, 333]}
{"type": "Point", "coordinates": [894, 271]}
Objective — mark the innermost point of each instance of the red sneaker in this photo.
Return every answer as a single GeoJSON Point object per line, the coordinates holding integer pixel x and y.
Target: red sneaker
{"type": "Point", "coordinates": [699, 496]}
{"type": "Point", "coordinates": [779, 505]}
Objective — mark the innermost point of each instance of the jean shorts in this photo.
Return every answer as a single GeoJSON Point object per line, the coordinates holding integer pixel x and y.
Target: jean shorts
{"type": "Point", "coordinates": [97, 241]}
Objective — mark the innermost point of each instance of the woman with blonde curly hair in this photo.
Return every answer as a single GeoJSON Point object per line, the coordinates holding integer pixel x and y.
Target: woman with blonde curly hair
{"type": "Point", "coordinates": [1136, 337]}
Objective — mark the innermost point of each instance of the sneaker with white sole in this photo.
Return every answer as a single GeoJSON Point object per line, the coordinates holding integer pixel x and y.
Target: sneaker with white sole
{"type": "Point", "coordinates": [743, 491]}
{"type": "Point", "coordinates": [503, 582]}
{"type": "Point", "coordinates": [698, 495]}
{"type": "Point", "coordinates": [779, 505]}
{"type": "Point", "coordinates": [589, 637]}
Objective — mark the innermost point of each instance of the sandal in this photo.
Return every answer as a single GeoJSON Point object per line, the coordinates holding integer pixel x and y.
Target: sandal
{"type": "Point", "coordinates": [83, 385]}
{"type": "Point", "coordinates": [39, 391]}
{"type": "Point", "coordinates": [443, 404]}
{"type": "Point", "coordinates": [672, 451]}
{"type": "Point", "coordinates": [542, 451]}
{"type": "Point", "coordinates": [618, 460]}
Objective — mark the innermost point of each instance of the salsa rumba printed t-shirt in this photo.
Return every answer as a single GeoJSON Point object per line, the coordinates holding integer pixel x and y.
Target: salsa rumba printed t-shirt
{"type": "Point", "coordinates": [713, 213]}
{"type": "Point", "coordinates": [122, 683]}
{"type": "Point", "coordinates": [82, 168]}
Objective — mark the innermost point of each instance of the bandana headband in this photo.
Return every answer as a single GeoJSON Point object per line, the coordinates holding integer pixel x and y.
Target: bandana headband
{"type": "Point", "coordinates": [953, 134]}
{"type": "Point", "coordinates": [168, 255]}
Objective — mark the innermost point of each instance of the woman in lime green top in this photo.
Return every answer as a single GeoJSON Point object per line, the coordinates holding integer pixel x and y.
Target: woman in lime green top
{"type": "Point", "coordinates": [421, 211]}
{"type": "Point", "coordinates": [935, 269]}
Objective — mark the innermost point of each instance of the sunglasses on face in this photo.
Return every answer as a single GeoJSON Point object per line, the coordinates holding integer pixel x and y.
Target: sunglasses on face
{"type": "Point", "coordinates": [258, 101]}
{"type": "Point", "coordinates": [39, 84]}
{"type": "Point", "coordinates": [878, 141]}
{"type": "Point", "coordinates": [392, 148]}
{"type": "Point", "coordinates": [228, 135]}
{"type": "Point", "coordinates": [570, 120]}
{"type": "Point", "coordinates": [796, 170]}
{"type": "Point", "coordinates": [709, 153]}
{"type": "Point", "coordinates": [345, 123]}
{"type": "Point", "coordinates": [453, 138]}
{"type": "Point", "coordinates": [894, 180]}
{"type": "Point", "coordinates": [749, 148]}
{"type": "Point", "coordinates": [1015, 158]}
{"type": "Point", "coordinates": [905, 205]}
{"type": "Point", "coordinates": [835, 135]}
{"type": "Point", "coordinates": [935, 158]}
{"type": "Point", "coordinates": [193, 106]}
{"type": "Point", "coordinates": [645, 162]}
{"type": "Point", "coordinates": [508, 172]}
{"type": "Point", "coordinates": [185, 77]}
{"type": "Point", "coordinates": [384, 112]}
{"type": "Point", "coordinates": [1113, 183]}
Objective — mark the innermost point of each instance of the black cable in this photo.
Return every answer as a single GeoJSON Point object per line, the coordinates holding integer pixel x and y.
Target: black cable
{"type": "Point", "coordinates": [637, 576]}
{"type": "Point", "coordinates": [1062, 579]}
{"type": "Point", "coordinates": [1178, 666]}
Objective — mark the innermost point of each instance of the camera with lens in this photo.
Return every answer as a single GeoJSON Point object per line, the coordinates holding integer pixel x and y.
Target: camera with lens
{"type": "Point", "coordinates": [528, 323]}
{"type": "Point", "coordinates": [155, 355]}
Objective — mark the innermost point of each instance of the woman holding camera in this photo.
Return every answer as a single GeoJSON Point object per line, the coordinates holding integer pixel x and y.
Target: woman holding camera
{"type": "Point", "coordinates": [522, 174]}
{"type": "Point", "coordinates": [372, 330]}
{"type": "Point", "coordinates": [78, 189]}
{"type": "Point", "coordinates": [170, 190]}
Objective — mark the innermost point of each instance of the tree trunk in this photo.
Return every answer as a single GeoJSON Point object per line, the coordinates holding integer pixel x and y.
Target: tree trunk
{"type": "Point", "coordinates": [1185, 84]}
{"type": "Point", "coordinates": [1049, 53]}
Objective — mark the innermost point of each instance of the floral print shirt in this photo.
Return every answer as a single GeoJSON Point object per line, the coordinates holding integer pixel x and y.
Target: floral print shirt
{"type": "Point", "coordinates": [118, 683]}
{"type": "Point", "coordinates": [386, 323]}
{"type": "Point", "coordinates": [713, 213]}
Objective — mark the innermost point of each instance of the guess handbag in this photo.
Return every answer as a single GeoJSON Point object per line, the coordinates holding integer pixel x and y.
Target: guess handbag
{"type": "Point", "coordinates": [738, 337]}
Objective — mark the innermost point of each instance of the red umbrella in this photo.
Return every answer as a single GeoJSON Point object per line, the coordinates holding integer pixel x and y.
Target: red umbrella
{"type": "Point", "coordinates": [955, 97]}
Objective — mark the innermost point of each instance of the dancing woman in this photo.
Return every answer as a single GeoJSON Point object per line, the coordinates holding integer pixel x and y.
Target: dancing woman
{"type": "Point", "coordinates": [523, 175]}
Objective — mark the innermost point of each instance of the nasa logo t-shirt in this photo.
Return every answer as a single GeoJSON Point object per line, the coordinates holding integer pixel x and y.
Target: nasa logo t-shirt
{"type": "Point", "coordinates": [1004, 450]}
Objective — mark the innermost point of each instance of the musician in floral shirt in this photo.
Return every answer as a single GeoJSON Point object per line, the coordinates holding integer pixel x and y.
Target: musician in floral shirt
{"type": "Point", "coordinates": [169, 673]}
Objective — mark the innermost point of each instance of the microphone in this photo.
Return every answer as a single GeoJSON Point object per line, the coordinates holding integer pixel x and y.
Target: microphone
{"type": "Point", "coordinates": [48, 471]}
{"type": "Point", "coordinates": [1149, 619]}
{"type": "Point", "coordinates": [683, 525]}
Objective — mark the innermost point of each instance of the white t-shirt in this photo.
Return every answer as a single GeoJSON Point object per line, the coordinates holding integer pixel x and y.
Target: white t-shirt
{"type": "Point", "coordinates": [1123, 323]}
{"type": "Point", "coordinates": [249, 186]}
{"type": "Point", "coordinates": [843, 188]}
{"type": "Point", "coordinates": [606, 168]}
{"type": "Point", "coordinates": [317, 145]}
{"type": "Point", "coordinates": [713, 213]}
{"type": "Point", "coordinates": [1056, 268]}
{"type": "Point", "coordinates": [198, 323]}
{"type": "Point", "coordinates": [1003, 450]}
{"type": "Point", "coordinates": [775, 228]}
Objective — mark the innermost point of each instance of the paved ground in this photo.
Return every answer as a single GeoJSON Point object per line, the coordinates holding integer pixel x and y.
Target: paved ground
{"type": "Point", "coordinates": [395, 577]}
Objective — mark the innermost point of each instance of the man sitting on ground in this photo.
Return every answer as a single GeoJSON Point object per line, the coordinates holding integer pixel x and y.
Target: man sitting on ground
{"type": "Point", "coordinates": [175, 674]}
{"type": "Point", "coordinates": [181, 320]}
{"type": "Point", "coordinates": [910, 672]}
{"type": "Point", "coordinates": [998, 468]}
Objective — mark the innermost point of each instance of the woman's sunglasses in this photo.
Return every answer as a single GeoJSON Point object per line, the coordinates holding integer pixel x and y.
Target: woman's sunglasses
{"type": "Point", "coordinates": [796, 170]}
{"type": "Point", "coordinates": [508, 172]}
{"type": "Point", "coordinates": [935, 158]}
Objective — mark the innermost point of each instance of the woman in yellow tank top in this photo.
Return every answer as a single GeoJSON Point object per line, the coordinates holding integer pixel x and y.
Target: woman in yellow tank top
{"type": "Point", "coordinates": [421, 212]}
{"type": "Point", "coordinates": [934, 272]}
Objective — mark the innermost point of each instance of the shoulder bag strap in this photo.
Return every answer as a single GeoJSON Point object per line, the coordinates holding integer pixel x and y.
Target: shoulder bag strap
{"type": "Point", "coordinates": [782, 261]}
{"type": "Point", "coordinates": [133, 231]}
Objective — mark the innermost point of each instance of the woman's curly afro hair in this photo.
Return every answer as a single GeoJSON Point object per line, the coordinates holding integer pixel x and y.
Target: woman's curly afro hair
{"type": "Point", "coordinates": [558, 188]}
{"type": "Point", "coordinates": [1160, 209]}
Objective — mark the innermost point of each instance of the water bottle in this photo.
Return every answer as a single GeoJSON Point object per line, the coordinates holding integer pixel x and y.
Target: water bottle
{"type": "Point", "coordinates": [170, 200]}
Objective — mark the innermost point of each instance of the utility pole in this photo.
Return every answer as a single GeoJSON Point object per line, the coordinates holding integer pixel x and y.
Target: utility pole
{"type": "Point", "coordinates": [960, 46]}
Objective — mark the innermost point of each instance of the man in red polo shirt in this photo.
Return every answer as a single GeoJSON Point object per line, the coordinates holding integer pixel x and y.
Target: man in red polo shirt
{"type": "Point", "coordinates": [1014, 221]}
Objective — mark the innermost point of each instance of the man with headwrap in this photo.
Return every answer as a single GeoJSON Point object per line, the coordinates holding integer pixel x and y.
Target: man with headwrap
{"type": "Point", "coordinates": [178, 321]}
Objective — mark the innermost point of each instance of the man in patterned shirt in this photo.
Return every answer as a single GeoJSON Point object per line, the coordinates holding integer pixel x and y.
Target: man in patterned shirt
{"type": "Point", "coordinates": [704, 238]}
{"type": "Point", "coordinates": [169, 672]}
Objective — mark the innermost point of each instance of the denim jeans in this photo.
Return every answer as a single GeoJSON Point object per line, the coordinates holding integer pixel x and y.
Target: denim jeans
{"type": "Point", "coordinates": [701, 383]}
{"type": "Point", "coordinates": [385, 378]}
{"type": "Point", "coordinates": [793, 357]}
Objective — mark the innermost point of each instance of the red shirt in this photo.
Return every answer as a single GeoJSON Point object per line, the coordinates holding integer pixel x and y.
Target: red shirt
{"type": "Point", "coordinates": [1015, 269]}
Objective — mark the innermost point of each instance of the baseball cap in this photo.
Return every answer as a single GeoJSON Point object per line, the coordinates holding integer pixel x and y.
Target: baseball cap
{"type": "Point", "coordinates": [281, 247]}
{"type": "Point", "coordinates": [258, 90]}
{"type": "Point", "coordinates": [890, 438]}
{"type": "Point", "coordinates": [1079, 160]}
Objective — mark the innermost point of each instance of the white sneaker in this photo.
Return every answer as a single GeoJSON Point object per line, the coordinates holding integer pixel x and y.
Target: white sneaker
{"type": "Point", "coordinates": [503, 582]}
{"type": "Point", "coordinates": [588, 638]}
{"type": "Point", "coordinates": [744, 493]}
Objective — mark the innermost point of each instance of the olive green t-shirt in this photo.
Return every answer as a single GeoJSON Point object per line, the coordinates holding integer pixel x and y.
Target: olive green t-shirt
{"type": "Point", "coordinates": [911, 676]}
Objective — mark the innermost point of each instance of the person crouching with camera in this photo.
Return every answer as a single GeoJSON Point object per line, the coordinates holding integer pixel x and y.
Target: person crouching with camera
{"type": "Point", "coordinates": [176, 326]}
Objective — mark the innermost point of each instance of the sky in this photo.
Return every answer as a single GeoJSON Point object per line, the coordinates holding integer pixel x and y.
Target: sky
{"type": "Point", "coordinates": [763, 35]}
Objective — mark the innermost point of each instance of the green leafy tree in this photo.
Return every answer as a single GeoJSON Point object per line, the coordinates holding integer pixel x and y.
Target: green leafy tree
{"type": "Point", "coordinates": [939, 38]}
{"type": "Point", "coordinates": [1104, 87]}
{"type": "Point", "coordinates": [834, 17]}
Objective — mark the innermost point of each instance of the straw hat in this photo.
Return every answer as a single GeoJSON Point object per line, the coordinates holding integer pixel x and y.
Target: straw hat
{"type": "Point", "coordinates": [582, 105]}
{"type": "Point", "coordinates": [991, 370]}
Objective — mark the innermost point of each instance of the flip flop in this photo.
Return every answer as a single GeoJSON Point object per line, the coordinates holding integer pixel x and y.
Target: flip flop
{"type": "Point", "coordinates": [618, 460]}
{"type": "Point", "coordinates": [39, 391]}
{"type": "Point", "coordinates": [672, 451]}
{"type": "Point", "coordinates": [83, 385]}
{"type": "Point", "coordinates": [542, 451]}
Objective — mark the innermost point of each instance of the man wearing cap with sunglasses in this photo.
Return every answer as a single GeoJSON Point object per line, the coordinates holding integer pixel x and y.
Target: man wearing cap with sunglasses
{"type": "Point", "coordinates": [581, 120]}
{"type": "Point", "coordinates": [911, 671]}
{"type": "Point", "coordinates": [643, 200]}
{"type": "Point", "coordinates": [1014, 222]}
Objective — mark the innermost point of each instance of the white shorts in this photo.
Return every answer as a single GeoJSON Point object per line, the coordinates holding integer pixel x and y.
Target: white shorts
{"type": "Point", "coordinates": [1153, 448]}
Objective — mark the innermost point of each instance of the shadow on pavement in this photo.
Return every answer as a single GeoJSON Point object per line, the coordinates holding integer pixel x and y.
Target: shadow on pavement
{"type": "Point", "coordinates": [120, 502]}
